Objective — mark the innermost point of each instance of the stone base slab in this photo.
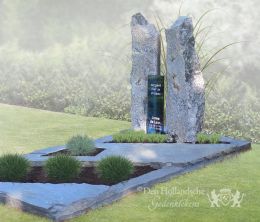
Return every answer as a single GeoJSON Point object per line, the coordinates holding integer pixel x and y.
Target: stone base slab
{"type": "Point", "coordinates": [64, 201]}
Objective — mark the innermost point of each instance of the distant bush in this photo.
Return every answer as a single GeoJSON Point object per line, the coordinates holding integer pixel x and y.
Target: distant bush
{"type": "Point", "coordinates": [131, 136]}
{"type": "Point", "coordinates": [80, 145]}
{"type": "Point", "coordinates": [114, 169]}
{"type": "Point", "coordinates": [62, 168]}
{"type": "Point", "coordinates": [234, 117]}
{"type": "Point", "coordinates": [13, 167]}
{"type": "Point", "coordinates": [68, 78]}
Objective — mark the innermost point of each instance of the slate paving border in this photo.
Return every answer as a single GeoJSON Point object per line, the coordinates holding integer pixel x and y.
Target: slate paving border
{"type": "Point", "coordinates": [64, 201]}
{"type": "Point", "coordinates": [156, 155]}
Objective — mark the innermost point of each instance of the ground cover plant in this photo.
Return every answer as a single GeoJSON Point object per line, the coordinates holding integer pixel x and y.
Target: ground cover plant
{"type": "Point", "coordinates": [130, 136]}
{"type": "Point", "coordinates": [203, 138]}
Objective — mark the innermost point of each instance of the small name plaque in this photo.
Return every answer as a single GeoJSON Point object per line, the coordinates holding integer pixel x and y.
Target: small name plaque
{"type": "Point", "coordinates": [155, 112]}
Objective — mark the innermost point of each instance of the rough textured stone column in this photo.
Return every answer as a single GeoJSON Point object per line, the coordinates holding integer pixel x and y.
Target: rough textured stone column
{"type": "Point", "coordinates": [185, 101]}
{"type": "Point", "coordinates": [145, 61]}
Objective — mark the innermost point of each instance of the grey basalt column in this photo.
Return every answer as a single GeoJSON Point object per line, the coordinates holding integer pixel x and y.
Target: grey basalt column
{"type": "Point", "coordinates": [145, 61]}
{"type": "Point", "coordinates": [185, 101]}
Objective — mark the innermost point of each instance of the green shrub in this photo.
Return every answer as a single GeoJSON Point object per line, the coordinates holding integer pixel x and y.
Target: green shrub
{"type": "Point", "coordinates": [114, 169]}
{"type": "Point", "coordinates": [202, 138]}
{"type": "Point", "coordinates": [206, 138]}
{"type": "Point", "coordinates": [214, 138]}
{"type": "Point", "coordinates": [62, 168]}
{"type": "Point", "coordinates": [80, 145]}
{"type": "Point", "coordinates": [13, 167]}
{"type": "Point", "coordinates": [130, 136]}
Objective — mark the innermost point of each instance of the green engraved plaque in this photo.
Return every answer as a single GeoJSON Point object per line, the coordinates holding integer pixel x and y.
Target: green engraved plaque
{"type": "Point", "coordinates": [155, 112]}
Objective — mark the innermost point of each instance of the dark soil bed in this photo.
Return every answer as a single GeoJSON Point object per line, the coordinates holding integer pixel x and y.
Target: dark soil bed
{"type": "Point", "coordinates": [95, 152]}
{"type": "Point", "coordinates": [87, 175]}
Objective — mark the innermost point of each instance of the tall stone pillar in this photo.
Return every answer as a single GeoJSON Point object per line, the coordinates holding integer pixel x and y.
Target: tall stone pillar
{"type": "Point", "coordinates": [185, 101]}
{"type": "Point", "coordinates": [145, 61]}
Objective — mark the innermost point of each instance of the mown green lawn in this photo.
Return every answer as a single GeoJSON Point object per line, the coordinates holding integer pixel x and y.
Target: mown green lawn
{"type": "Point", "coordinates": [23, 130]}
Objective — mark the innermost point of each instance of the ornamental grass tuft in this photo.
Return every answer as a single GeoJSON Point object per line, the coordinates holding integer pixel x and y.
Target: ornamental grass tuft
{"type": "Point", "coordinates": [13, 167]}
{"type": "Point", "coordinates": [114, 169]}
{"type": "Point", "coordinates": [80, 145]}
{"type": "Point", "coordinates": [62, 168]}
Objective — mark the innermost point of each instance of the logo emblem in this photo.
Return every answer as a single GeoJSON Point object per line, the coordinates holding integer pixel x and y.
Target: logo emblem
{"type": "Point", "coordinates": [225, 197]}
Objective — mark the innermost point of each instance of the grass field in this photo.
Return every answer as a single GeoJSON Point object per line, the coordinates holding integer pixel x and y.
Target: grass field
{"type": "Point", "coordinates": [23, 130]}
